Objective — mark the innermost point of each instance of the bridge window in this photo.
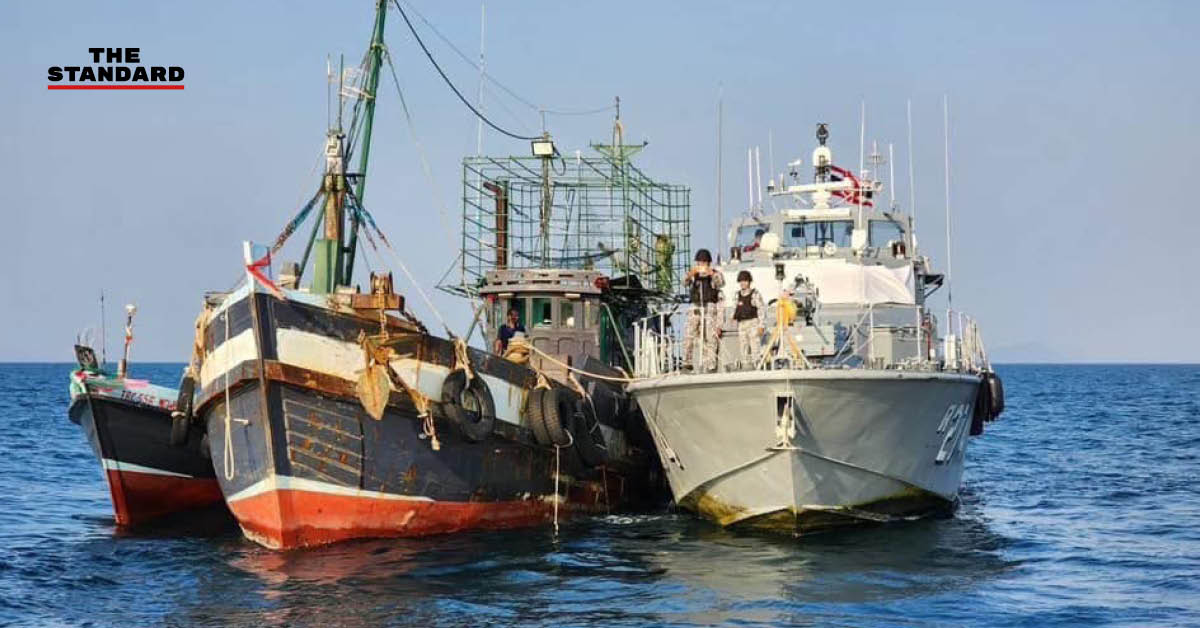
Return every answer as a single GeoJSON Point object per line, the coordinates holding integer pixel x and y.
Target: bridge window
{"type": "Point", "coordinates": [745, 234]}
{"type": "Point", "coordinates": [817, 233]}
{"type": "Point", "coordinates": [884, 231]}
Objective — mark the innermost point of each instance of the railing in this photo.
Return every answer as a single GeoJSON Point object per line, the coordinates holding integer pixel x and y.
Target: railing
{"type": "Point", "coordinates": [659, 350]}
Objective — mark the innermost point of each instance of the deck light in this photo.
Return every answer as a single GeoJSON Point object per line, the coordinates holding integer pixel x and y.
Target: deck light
{"type": "Point", "coordinates": [543, 148]}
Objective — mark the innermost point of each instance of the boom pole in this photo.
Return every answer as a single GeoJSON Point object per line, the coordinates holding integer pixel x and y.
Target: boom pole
{"type": "Point", "coordinates": [376, 62]}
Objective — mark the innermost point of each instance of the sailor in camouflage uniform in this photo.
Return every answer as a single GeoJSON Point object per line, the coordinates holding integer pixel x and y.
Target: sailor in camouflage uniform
{"type": "Point", "coordinates": [704, 318]}
{"type": "Point", "coordinates": [750, 314]}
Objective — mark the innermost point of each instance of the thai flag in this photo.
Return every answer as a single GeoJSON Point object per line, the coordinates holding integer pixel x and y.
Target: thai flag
{"type": "Point", "coordinates": [853, 196]}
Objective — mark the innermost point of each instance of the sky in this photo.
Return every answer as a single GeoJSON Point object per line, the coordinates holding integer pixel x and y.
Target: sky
{"type": "Point", "coordinates": [1073, 137]}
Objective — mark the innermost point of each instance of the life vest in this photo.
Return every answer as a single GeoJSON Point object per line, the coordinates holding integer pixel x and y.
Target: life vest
{"type": "Point", "coordinates": [745, 309]}
{"type": "Point", "coordinates": [703, 291]}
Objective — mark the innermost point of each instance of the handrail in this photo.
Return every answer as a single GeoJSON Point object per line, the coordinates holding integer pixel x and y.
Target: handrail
{"type": "Point", "coordinates": [959, 348]}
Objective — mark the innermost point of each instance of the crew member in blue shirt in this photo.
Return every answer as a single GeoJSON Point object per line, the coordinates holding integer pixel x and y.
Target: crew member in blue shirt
{"type": "Point", "coordinates": [508, 329]}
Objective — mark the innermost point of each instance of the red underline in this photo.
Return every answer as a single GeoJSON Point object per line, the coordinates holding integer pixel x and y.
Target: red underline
{"type": "Point", "coordinates": [114, 87]}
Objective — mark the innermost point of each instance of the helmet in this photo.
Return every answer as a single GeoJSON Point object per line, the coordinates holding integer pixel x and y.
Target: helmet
{"type": "Point", "coordinates": [744, 276]}
{"type": "Point", "coordinates": [703, 256]}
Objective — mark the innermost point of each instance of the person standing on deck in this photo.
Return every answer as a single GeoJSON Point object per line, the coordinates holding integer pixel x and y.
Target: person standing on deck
{"type": "Point", "coordinates": [508, 330]}
{"type": "Point", "coordinates": [750, 314]}
{"type": "Point", "coordinates": [704, 284]}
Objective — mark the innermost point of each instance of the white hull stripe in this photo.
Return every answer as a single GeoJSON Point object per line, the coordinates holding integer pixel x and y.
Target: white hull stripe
{"type": "Point", "coordinates": [345, 360]}
{"type": "Point", "coordinates": [288, 483]}
{"type": "Point", "coordinates": [227, 355]}
{"type": "Point", "coordinates": [115, 465]}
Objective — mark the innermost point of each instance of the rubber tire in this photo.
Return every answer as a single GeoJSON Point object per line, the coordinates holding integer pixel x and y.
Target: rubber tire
{"type": "Point", "coordinates": [533, 416]}
{"type": "Point", "coordinates": [179, 429]}
{"type": "Point", "coordinates": [558, 413]}
{"type": "Point", "coordinates": [181, 418]}
{"type": "Point", "coordinates": [469, 406]}
{"type": "Point", "coordinates": [589, 440]}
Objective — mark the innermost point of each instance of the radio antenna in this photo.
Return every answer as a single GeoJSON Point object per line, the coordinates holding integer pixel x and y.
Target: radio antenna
{"type": "Point", "coordinates": [103, 340]}
{"type": "Point", "coordinates": [912, 188]}
{"type": "Point", "coordinates": [720, 112]}
{"type": "Point", "coordinates": [949, 265]}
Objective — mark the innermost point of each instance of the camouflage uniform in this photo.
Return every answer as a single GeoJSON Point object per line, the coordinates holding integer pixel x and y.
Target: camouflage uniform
{"type": "Point", "coordinates": [750, 329]}
{"type": "Point", "coordinates": [710, 314]}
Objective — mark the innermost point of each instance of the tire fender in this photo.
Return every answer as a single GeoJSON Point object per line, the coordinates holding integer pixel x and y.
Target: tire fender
{"type": "Point", "coordinates": [469, 405]}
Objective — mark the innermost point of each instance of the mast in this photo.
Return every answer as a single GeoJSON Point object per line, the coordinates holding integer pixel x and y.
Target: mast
{"type": "Point", "coordinates": [375, 63]}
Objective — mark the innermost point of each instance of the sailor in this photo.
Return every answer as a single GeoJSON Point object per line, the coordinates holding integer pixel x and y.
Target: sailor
{"type": "Point", "coordinates": [508, 329]}
{"type": "Point", "coordinates": [750, 314]}
{"type": "Point", "coordinates": [753, 246]}
{"type": "Point", "coordinates": [704, 318]}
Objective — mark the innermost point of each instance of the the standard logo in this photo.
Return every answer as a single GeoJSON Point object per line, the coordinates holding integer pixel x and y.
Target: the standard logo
{"type": "Point", "coordinates": [118, 72]}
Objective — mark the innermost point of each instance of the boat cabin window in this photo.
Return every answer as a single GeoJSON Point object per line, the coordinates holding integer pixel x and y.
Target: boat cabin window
{"type": "Point", "coordinates": [542, 314]}
{"type": "Point", "coordinates": [500, 311]}
{"type": "Point", "coordinates": [745, 234]}
{"type": "Point", "coordinates": [884, 231]}
{"type": "Point", "coordinates": [566, 314]}
{"type": "Point", "coordinates": [817, 233]}
{"type": "Point", "coordinates": [592, 314]}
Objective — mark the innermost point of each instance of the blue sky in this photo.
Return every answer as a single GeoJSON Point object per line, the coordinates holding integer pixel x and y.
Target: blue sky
{"type": "Point", "coordinates": [1073, 125]}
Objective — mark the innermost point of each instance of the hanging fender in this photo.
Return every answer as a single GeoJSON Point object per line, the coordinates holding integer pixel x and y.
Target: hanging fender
{"type": "Point", "coordinates": [589, 439]}
{"type": "Point", "coordinates": [469, 405]}
{"type": "Point", "coordinates": [995, 395]}
{"type": "Point", "coordinates": [983, 407]}
{"type": "Point", "coordinates": [532, 415]}
{"type": "Point", "coordinates": [558, 415]}
{"type": "Point", "coordinates": [181, 416]}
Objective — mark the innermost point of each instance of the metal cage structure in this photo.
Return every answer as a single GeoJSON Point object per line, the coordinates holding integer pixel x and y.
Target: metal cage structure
{"type": "Point", "coordinates": [596, 212]}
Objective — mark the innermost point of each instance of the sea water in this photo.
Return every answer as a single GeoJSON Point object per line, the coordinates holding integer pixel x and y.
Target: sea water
{"type": "Point", "coordinates": [1080, 506]}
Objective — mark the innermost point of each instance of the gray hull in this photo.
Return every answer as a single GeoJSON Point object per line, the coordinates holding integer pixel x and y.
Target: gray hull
{"type": "Point", "coordinates": [799, 451]}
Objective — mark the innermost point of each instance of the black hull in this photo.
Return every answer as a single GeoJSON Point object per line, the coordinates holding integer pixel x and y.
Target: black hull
{"type": "Point", "coordinates": [147, 478]}
{"type": "Point", "coordinates": [301, 462]}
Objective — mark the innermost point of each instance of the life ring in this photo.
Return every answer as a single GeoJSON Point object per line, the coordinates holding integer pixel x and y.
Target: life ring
{"type": "Point", "coordinates": [829, 248]}
{"type": "Point", "coordinates": [533, 415]}
{"type": "Point", "coordinates": [589, 439]}
{"type": "Point", "coordinates": [558, 414]}
{"type": "Point", "coordinates": [469, 405]}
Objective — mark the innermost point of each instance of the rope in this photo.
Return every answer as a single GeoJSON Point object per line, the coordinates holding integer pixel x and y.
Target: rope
{"type": "Point", "coordinates": [609, 378]}
{"type": "Point", "coordinates": [497, 83]}
{"type": "Point", "coordinates": [228, 460]}
{"type": "Point", "coordinates": [557, 449]}
{"type": "Point", "coordinates": [462, 359]}
{"type": "Point", "coordinates": [443, 209]}
{"type": "Point", "coordinates": [445, 78]}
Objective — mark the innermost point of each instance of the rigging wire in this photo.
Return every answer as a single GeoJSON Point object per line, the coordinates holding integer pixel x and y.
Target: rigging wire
{"type": "Point", "coordinates": [443, 209]}
{"type": "Point", "coordinates": [502, 86]}
{"type": "Point", "coordinates": [453, 88]}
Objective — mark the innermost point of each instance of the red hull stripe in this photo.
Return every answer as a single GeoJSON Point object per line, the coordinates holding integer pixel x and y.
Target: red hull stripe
{"type": "Point", "coordinates": [139, 497]}
{"type": "Point", "coordinates": [286, 518]}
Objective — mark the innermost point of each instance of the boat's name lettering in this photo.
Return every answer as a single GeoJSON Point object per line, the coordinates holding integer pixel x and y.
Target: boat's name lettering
{"type": "Point", "coordinates": [115, 65]}
{"type": "Point", "coordinates": [149, 400]}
